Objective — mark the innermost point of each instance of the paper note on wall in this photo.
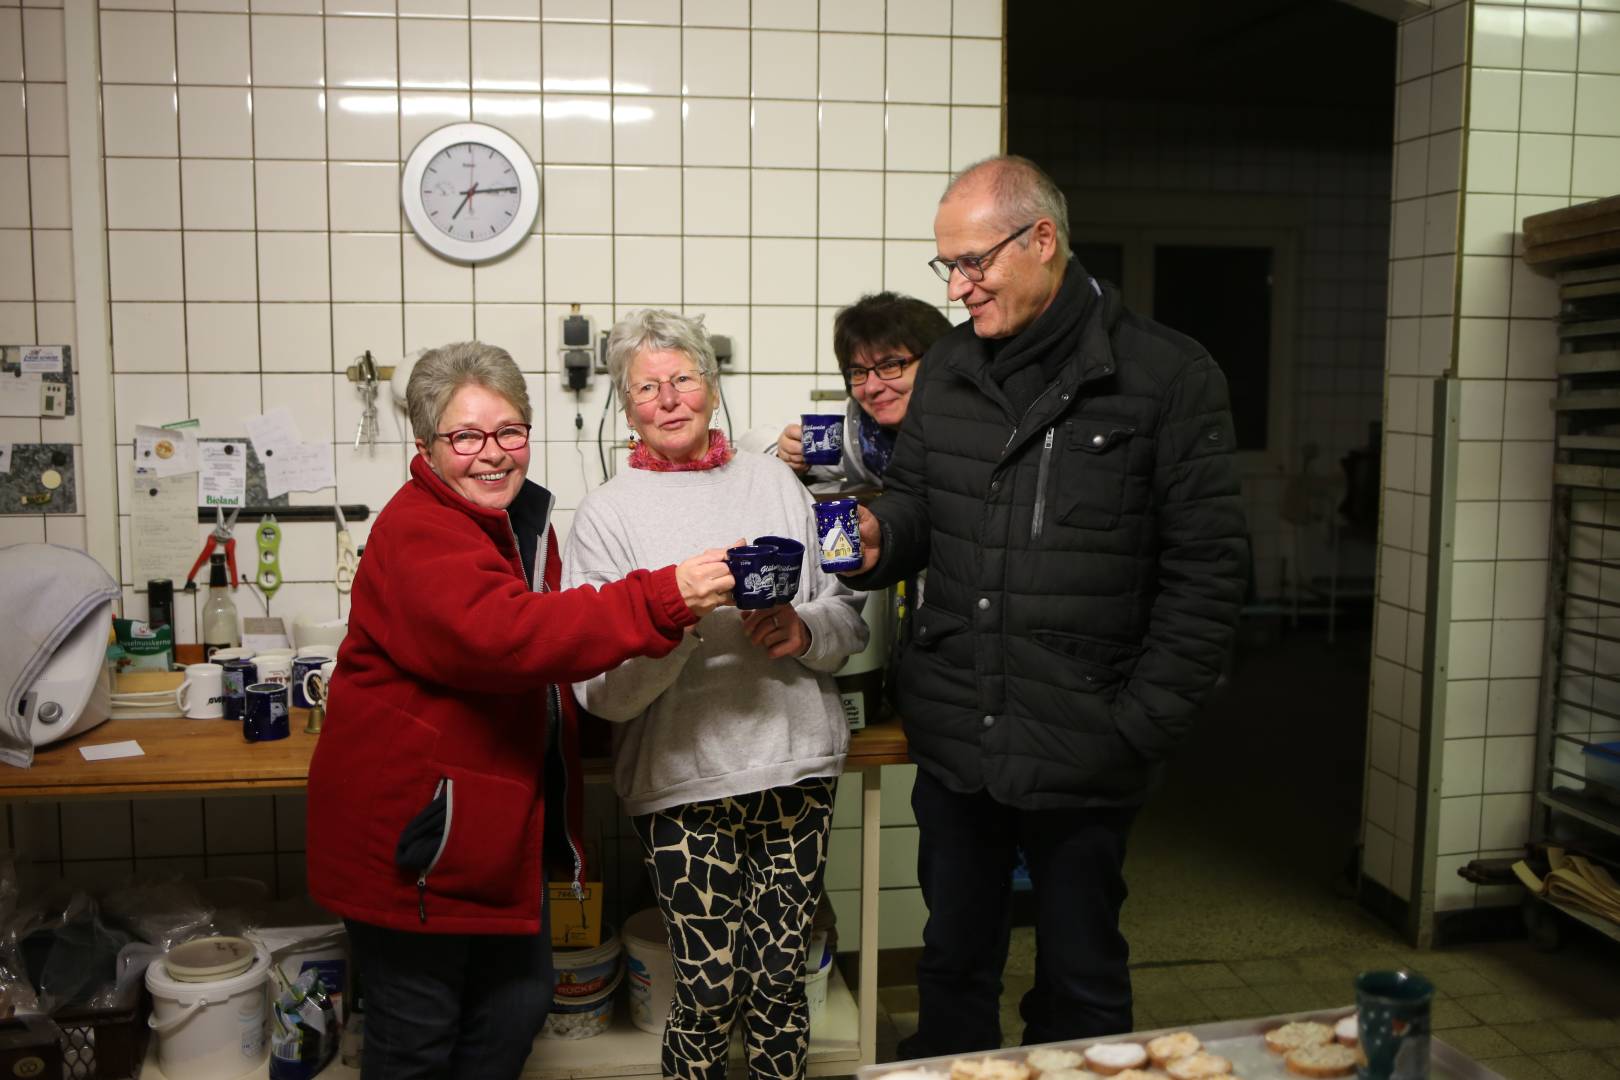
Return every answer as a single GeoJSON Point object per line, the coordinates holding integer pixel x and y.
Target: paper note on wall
{"type": "Point", "coordinates": [300, 467]}
{"type": "Point", "coordinates": [164, 451]}
{"type": "Point", "coordinates": [163, 532]}
{"type": "Point", "coordinates": [272, 433]}
{"type": "Point", "coordinates": [20, 393]}
{"type": "Point", "coordinates": [5, 458]}
{"type": "Point", "coordinates": [222, 479]}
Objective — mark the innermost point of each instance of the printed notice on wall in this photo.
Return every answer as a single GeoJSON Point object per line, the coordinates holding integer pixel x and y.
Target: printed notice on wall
{"type": "Point", "coordinates": [164, 451]}
{"type": "Point", "coordinates": [42, 359]}
{"type": "Point", "coordinates": [163, 531]}
{"type": "Point", "coordinates": [5, 458]}
{"type": "Point", "coordinates": [222, 474]}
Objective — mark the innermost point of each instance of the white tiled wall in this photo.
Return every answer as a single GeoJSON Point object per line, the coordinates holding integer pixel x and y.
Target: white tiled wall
{"type": "Point", "coordinates": [36, 265]}
{"type": "Point", "coordinates": [1334, 165]}
{"type": "Point", "coordinates": [763, 163]}
{"type": "Point", "coordinates": [1543, 87]}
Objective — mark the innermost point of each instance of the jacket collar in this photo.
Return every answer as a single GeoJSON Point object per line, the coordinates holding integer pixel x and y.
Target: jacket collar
{"type": "Point", "coordinates": [1092, 359]}
{"type": "Point", "coordinates": [532, 505]}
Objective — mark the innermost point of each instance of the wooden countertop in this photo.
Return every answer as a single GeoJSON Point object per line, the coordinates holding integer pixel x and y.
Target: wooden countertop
{"type": "Point", "coordinates": [199, 756]}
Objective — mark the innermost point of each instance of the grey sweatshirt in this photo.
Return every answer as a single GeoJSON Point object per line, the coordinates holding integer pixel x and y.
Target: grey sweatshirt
{"type": "Point", "coordinates": [717, 716]}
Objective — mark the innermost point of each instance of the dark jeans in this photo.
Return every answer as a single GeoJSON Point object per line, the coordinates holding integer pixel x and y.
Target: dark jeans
{"type": "Point", "coordinates": [968, 845]}
{"type": "Point", "coordinates": [450, 1006]}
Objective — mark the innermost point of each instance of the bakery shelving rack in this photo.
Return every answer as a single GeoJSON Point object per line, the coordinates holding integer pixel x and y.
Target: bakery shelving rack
{"type": "Point", "coordinates": [1580, 686]}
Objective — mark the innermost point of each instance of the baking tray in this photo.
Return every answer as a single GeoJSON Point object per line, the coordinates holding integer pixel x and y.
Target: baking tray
{"type": "Point", "coordinates": [1240, 1041]}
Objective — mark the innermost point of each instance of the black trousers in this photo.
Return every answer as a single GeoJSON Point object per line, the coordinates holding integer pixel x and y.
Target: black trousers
{"type": "Point", "coordinates": [968, 845]}
{"type": "Point", "coordinates": [450, 1006]}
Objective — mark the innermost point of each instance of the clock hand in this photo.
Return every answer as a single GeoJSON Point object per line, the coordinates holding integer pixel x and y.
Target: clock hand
{"type": "Point", "coordinates": [465, 199]}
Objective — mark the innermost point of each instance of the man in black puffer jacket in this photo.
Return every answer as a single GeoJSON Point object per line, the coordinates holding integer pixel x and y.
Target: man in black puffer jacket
{"type": "Point", "coordinates": [1065, 474]}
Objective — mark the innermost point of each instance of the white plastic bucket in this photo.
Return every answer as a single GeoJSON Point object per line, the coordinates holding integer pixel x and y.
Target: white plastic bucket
{"type": "Point", "coordinates": [650, 970]}
{"type": "Point", "coordinates": [815, 981]}
{"type": "Point", "coordinates": [210, 1030]}
{"type": "Point", "coordinates": [584, 972]}
{"type": "Point", "coordinates": [583, 1016]}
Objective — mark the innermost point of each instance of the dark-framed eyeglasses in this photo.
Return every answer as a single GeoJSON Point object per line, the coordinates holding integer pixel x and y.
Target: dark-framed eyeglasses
{"type": "Point", "coordinates": [973, 267]}
{"type": "Point", "coordinates": [887, 369]}
{"type": "Point", "coordinates": [470, 441]}
{"type": "Point", "coordinates": [683, 382]}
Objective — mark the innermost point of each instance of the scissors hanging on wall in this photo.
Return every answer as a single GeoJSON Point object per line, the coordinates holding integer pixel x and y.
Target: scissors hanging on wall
{"type": "Point", "coordinates": [347, 559]}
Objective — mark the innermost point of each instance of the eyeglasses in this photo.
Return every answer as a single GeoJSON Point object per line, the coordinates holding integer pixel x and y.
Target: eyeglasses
{"type": "Point", "coordinates": [470, 441]}
{"type": "Point", "coordinates": [973, 267]}
{"type": "Point", "coordinates": [886, 369]}
{"type": "Point", "coordinates": [685, 382]}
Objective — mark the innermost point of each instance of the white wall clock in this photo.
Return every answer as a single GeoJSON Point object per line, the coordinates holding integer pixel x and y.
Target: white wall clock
{"type": "Point", "coordinates": [470, 192]}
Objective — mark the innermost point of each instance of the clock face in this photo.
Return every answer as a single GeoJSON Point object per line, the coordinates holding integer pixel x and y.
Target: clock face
{"type": "Point", "coordinates": [470, 191]}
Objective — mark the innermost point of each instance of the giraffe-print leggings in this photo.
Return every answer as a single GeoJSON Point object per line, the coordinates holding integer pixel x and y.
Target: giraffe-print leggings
{"type": "Point", "coordinates": [738, 880]}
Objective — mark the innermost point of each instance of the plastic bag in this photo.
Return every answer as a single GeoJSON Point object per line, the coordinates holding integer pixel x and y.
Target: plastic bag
{"type": "Point", "coordinates": [70, 954]}
{"type": "Point", "coordinates": [304, 1029]}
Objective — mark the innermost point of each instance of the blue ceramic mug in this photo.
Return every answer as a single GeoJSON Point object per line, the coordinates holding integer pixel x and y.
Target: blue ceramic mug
{"type": "Point", "coordinates": [838, 532]}
{"type": "Point", "coordinates": [822, 437]}
{"type": "Point", "coordinates": [750, 566]}
{"type": "Point", "coordinates": [1392, 1014]}
{"type": "Point", "coordinates": [303, 664]}
{"type": "Point", "coordinates": [788, 566]}
{"type": "Point", "coordinates": [266, 716]}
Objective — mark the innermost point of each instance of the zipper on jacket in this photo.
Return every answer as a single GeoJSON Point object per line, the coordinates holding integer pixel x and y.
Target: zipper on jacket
{"type": "Point", "coordinates": [562, 760]}
{"type": "Point", "coordinates": [1040, 485]}
{"type": "Point", "coordinates": [1013, 434]}
{"type": "Point", "coordinates": [448, 786]}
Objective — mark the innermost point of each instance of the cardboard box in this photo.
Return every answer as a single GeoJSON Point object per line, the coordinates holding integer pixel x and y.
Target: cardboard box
{"type": "Point", "coordinates": [576, 921]}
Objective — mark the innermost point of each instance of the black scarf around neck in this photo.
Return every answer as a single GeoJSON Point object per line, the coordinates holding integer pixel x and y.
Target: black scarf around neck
{"type": "Point", "coordinates": [1026, 363]}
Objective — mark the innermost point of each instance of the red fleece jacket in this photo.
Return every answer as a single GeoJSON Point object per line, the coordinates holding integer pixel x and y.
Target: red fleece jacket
{"type": "Point", "coordinates": [444, 676]}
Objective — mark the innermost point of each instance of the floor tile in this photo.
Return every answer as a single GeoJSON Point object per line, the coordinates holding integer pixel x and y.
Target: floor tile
{"type": "Point", "coordinates": [1208, 977]}
{"type": "Point", "coordinates": [1264, 972]}
{"type": "Point", "coordinates": [1178, 1007]}
{"type": "Point", "coordinates": [1445, 1014]}
{"type": "Point", "coordinates": [1480, 1042]}
{"type": "Point", "coordinates": [1464, 983]}
{"type": "Point", "coordinates": [1591, 1033]}
{"type": "Point", "coordinates": [1539, 1038]}
{"type": "Point", "coordinates": [1579, 1065]}
{"type": "Point", "coordinates": [1326, 967]}
{"type": "Point", "coordinates": [1503, 1009]}
{"type": "Point", "coordinates": [1156, 980]}
{"type": "Point", "coordinates": [1520, 1067]}
{"type": "Point", "coordinates": [1233, 1002]}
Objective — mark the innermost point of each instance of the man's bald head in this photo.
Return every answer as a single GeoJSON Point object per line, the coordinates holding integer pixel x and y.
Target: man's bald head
{"type": "Point", "coordinates": [1020, 191]}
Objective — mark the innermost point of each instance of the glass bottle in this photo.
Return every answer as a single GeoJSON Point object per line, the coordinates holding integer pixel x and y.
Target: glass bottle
{"type": "Point", "coordinates": [220, 629]}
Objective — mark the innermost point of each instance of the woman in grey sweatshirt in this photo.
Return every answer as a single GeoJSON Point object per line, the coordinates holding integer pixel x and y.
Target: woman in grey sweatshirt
{"type": "Point", "coordinates": [727, 750]}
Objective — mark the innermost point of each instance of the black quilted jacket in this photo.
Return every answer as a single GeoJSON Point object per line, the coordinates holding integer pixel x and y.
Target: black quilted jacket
{"type": "Point", "coordinates": [1085, 562]}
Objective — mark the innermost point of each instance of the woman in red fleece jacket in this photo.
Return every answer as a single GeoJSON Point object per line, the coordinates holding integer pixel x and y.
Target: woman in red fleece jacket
{"type": "Point", "coordinates": [427, 823]}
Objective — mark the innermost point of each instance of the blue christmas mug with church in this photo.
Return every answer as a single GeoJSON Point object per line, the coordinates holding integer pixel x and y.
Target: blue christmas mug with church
{"type": "Point", "coordinates": [838, 532]}
{"type": "Point", "coordinates": [822, 436]}
{"type": "Point", "coordinates": [752, 571]}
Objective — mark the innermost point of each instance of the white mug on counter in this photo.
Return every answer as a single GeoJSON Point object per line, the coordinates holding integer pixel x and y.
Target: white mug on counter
{"type": "Point", "coordinates": [275, 666]}
{"type": "Point", "coordinates": [309, 660]}
{"type": "Point", "coordinates": [202, 695]}
{"type": "Point", "coordinates": [314, 684]}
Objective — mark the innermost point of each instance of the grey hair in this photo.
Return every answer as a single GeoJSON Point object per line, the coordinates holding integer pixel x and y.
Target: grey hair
{"type": "Point", "coordinates": [657, 330]}
{"type": "Point", "coordinates": [1022, 193]}
{"type": "Point", "coordinates": [440, 372]}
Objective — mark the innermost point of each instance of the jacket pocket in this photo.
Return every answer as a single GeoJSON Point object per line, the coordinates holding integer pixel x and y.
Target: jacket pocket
{"type": "Point", "coordinates": [1085, 664]}
{"type": "Point", "coordinates": [1091, 477]}
{"type": "Point", "coordinates": [933, 625]}
{"type": "Point", "coordinates": [422, 842]}
{"type": "Point", "coordinates": [468, 842]}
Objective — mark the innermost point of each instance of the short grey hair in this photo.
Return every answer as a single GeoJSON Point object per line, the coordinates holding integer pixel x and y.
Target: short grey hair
{"type": "Point", "coordinates": [657, 330]}
{"type": "Point", "coordinates": [1022, 193]}
{"type": "Point", "coordinates": [440, 372]}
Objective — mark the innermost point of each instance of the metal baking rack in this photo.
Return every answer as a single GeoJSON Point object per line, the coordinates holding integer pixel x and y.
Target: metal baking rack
{"type": "Point", "coordinates": [1580, 684]}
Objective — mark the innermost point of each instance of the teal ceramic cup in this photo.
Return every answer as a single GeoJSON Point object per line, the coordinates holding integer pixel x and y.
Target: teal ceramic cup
{"type": "Point", "coordinates": [1392, 1009]}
